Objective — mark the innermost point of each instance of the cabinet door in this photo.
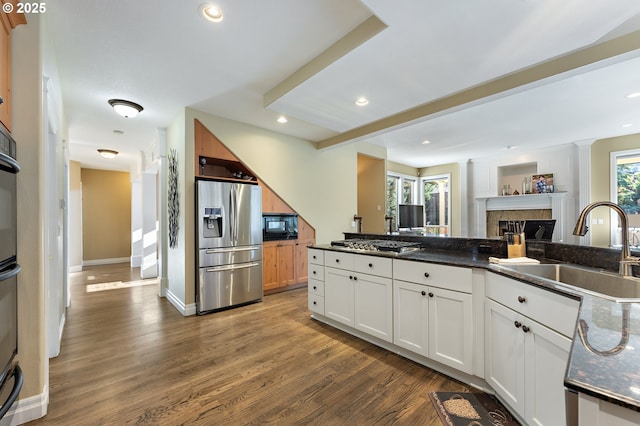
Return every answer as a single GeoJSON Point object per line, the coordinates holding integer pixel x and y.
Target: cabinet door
{"type": "Point", "coordinates": [451, 328]}
{"type": "Point", "coordinates": [411, 317]}
{"type": "Point", "coordinates": [374, 306]}
{"type": "Point", "coordinates": [270, 266]}
{"type": "Point", "coordinates": [339, 295]}
{"type": "Point", "coordinates": [302, 260]}
{"type": "Point", "coordinates": [286, 265]}
{"type": "Point", "coordinates": [504, 354]}
{"type": "Point", "coordinates": [546, 357]}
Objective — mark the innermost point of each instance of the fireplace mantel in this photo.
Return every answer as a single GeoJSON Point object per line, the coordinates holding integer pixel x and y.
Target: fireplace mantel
{"type": "Point", "coordinates": [556, 201]}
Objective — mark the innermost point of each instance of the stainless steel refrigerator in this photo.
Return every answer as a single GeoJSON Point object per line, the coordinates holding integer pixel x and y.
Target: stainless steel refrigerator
{"type": "Point", "coordinates": [229, 228]}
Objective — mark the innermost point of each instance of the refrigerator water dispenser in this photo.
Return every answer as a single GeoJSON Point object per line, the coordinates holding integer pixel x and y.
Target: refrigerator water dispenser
{"type": "Point", "coordinates": [213, 222]}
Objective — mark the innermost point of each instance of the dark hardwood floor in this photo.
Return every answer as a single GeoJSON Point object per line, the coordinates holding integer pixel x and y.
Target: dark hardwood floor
{"type": "Point", "coordinates": [128, 357]}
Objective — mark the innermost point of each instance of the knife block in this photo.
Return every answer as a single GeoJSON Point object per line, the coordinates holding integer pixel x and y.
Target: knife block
{"type": "Point", "coordinates": [516, 246]}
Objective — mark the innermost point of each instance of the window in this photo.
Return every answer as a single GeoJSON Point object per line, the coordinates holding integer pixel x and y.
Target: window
{"type": "Point", "coordinates": [437, 204]}
{"type": "Point", "coordinates": [625, 191]}
{"type": "Point", "coordinates": [400, 190]}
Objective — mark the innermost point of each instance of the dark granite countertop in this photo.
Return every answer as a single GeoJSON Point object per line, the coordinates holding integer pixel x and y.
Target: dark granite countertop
{"type": "Point", "coordinates": [610, 368]}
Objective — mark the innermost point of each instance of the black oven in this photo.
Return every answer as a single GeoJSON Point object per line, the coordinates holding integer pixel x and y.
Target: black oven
{"type": "Point", "coordinates": [9, 270]}
{"type": "Point", "coordinates": [279, 226]}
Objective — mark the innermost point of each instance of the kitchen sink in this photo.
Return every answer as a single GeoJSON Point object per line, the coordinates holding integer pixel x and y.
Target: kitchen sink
{"type": "Point", "coordinates": [599, 283]}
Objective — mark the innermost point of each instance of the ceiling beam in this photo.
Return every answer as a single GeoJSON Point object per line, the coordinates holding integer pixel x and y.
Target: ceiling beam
{"type": "Point", "coordinates": [346, 44]}
{"type": "Point", "coordinates": [595, 55]}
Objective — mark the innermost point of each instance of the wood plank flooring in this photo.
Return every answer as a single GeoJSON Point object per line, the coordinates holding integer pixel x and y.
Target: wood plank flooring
{"type": "Point", "coordinates": [128, 357]}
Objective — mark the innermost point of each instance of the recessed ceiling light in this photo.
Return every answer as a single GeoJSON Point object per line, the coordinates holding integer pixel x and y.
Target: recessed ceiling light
{"type": "Point", "coordinates": [282, 119]}
{"type": "Point", "coordinates": [510, 146]}
{"type": "Point", "coordinates": [362, 101]}
{"type": "Point", "coordinates": [127, 109]}
{"type": "Point", "coordinates": [633, 95]}
{"type": "Point", "coordinates": [426, 142]}
{"type": "Point", "coordinates": [627, 125]}
{"type": "Point", "coordinates": [108, 153]}
{"type": "Point", "coordinates": [118, 132]}
{"type": "Point", "coordinates": [211, 13]}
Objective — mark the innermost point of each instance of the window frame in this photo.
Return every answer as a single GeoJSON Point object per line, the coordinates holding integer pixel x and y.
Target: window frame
{"type": "Point", "coordinates": [402, 178]}
{"type": "Point", "coordinates": [435, 229]}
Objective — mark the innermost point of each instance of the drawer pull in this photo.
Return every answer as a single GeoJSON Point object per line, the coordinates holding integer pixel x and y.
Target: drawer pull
{"type": "Point", "coordinates": [522, 299]}
{"type": "Point", "coordinates": [315, 288]}
{"type": "Point", "coordinates": [517, 324]}
{"type": "Point", "coordinates": [355, 278]}
{"type": "Point", "coordinates": [525, 329]}
{"type": "Point", "coordinates": [314, 272]}
{"type": "Point", "coordinates": [371, 265]}
{"type": "Point", "coordinates": [426, 275]}
{"type": "Point", "coordinates": [314, 257]}
{"type": "Point", "coordinates": [337, 260]}
{"type": "Point", "coordinates": [430, 294]}
{"type": "Point", "coordinates": [350, 277]}
{"type": "Point", "coordinates": [314, 302]}
{"type": "Point", "coordinates": [424, 293]}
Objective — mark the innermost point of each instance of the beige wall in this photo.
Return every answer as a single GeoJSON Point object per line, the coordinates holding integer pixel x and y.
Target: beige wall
{"type": "Point", "coordinates": [401, 169]}
{"type": "Point", "coordinates": [371, 193]}
{"type": "Point", "coordinates": [600, 182]}
{"type": "Point", "coordinates": [106, 214]}
{"type": "Point", "coordinates": [321, 185]}
{"type": "Point", "coordinates": [456, 192]}
{"type": "Point", "coordinates": [27, 130]}
{"type": "Point", "coordinates": [75, 216]}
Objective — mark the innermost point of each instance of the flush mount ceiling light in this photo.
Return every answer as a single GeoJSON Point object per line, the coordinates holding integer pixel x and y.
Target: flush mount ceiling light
{"type": "Point", "coordinates": [127, 109]}
{"type": "Point", "coordinates": [426, 142]}
{"type": "Point", "coordinates": [282, 119]}
{"type": "Point", "coordinates": [211, 13]}
{"type": "Point", "coordinates": [362, 101]}
{"type": "Point", "coordinates": [108, 153]}
{"type": "Point", "coordinates": [633, 95]}
{"type": "Point", "coordinates": [627, 125]}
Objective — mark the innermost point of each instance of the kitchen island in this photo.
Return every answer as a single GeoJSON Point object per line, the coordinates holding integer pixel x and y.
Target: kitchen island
{"type": "Point", "coordinates": [607, 384]}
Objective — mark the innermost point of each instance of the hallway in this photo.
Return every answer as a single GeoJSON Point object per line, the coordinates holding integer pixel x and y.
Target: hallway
{"type": "Point", "coordinates": [128, 357]}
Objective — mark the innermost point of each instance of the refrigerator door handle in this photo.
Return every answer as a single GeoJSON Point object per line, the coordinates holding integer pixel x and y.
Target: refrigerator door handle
{"type": "Point", "coordinates": [232, 249]}
{"type": "Point", "coordinates": [232, 267]}
{"type": "Point", "coordinates": [233, 215]}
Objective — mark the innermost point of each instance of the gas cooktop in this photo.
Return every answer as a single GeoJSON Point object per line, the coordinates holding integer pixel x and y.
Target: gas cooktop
{"type": "Point", "coordinates": [378, 245]}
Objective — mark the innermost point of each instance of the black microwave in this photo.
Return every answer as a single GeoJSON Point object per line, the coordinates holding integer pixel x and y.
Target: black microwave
{"type": "Point", "coordinates": [279, 226]}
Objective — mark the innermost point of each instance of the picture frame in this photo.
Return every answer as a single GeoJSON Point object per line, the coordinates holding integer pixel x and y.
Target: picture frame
{"type": "Point", "coordinates": [542, 183]}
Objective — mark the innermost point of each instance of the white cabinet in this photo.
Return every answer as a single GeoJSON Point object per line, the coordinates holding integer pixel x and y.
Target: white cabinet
{"type": "Point", "coordinates": [411, 317]}
{"type": "Point", "coordinates": [593, 411]}
{"type": "Point", "coordinates": [339, 293]}
{"type": "Point", "coordinates": [525, 358]}
{"type": "Point", "coordinates": [316, 281]}
{"type": "Point", "coordinates": [433, 320]}
{"type": "Point", "coordinates": [373, 306]}
{"type": "Point", "coordinates": [358, 293]}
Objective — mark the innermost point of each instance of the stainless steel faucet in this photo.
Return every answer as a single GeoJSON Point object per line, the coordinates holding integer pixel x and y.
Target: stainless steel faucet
{"type": "Point", "coordinates": [626, 260]}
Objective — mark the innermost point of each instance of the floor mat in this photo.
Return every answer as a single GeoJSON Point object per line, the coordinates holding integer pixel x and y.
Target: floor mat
{"type": "Point", "coordinates": [470, 409]}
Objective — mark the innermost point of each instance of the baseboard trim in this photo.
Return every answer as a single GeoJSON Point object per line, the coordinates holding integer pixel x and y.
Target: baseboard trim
{"type": "Point", "coordinates": [96, 262]}
{"type": "Point", "coordinates": [185, 310]}
{"type": "Point", "coordinates": [27, 409]}
{"type": "Point", "coordinates": [75, 268]}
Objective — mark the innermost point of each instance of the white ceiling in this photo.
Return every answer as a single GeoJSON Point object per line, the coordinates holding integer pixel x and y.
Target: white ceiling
{"type": "Point", "coordinates": [163, 55]}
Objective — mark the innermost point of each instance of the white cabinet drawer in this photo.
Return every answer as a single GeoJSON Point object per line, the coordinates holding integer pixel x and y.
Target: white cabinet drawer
{"type": "Point", "coordinates": [336, 259]}
{"type": "Point", "coordinates": [316, 303]}
{"type": "Point", "coordinates": [551, 309]}
{"type": "Point", "coordinates": [316, 287]}
{"type": "Point", "coordinates": [373, 265]}
{"type": "Point", "coordinates": [443, 276]}
{"type": "Point", "coordinates": [316, 272]}
{"type": "Point", "coordinates": [316, 257]}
